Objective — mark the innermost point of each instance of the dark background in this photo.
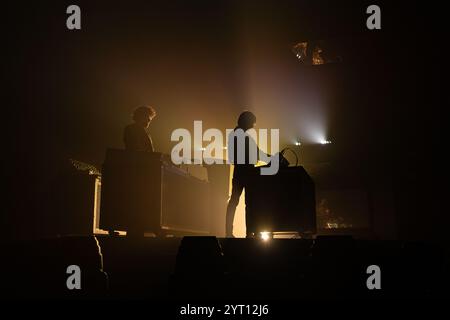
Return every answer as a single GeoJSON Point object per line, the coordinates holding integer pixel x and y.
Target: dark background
{"type": "Point", "coordinates": [68, 94]}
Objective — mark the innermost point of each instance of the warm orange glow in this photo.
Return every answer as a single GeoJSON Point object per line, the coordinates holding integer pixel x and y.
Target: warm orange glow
{"type": "Point", "coordinates": [239, 230]}
{"type": "Point", "coordinates": [265, 235]}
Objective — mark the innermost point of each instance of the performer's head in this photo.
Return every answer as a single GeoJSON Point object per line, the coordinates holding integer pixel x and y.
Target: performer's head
{"type": "Point", "coordinates": [247, 120]}
{"type": "Point", "coordinates": [144, 115]}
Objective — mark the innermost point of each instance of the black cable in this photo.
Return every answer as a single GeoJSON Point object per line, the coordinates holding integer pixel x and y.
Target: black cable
{"type": "Point", "coordinates": [295, 154]}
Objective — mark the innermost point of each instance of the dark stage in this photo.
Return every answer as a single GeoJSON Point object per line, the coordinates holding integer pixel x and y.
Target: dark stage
{"type": "Point", "coordinates": [176, 151]}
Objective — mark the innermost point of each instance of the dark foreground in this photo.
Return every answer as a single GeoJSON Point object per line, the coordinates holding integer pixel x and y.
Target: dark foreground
{"type": "Point", "coordinates": [210, 269]}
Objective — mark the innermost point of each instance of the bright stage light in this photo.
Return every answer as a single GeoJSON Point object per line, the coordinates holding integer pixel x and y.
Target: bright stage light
{"type": "Point", "coordinates": [298, 143]}
{"type": "Point", "coordinates": [318, 135]}
{"type": "Point", "coordinates": [265, 235]}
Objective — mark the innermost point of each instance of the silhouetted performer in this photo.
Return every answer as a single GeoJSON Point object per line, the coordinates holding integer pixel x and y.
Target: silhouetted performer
{"type": "Point", "coordinates": [135, 136]}
{"type": "Point", "coordinates": [242, 173]}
